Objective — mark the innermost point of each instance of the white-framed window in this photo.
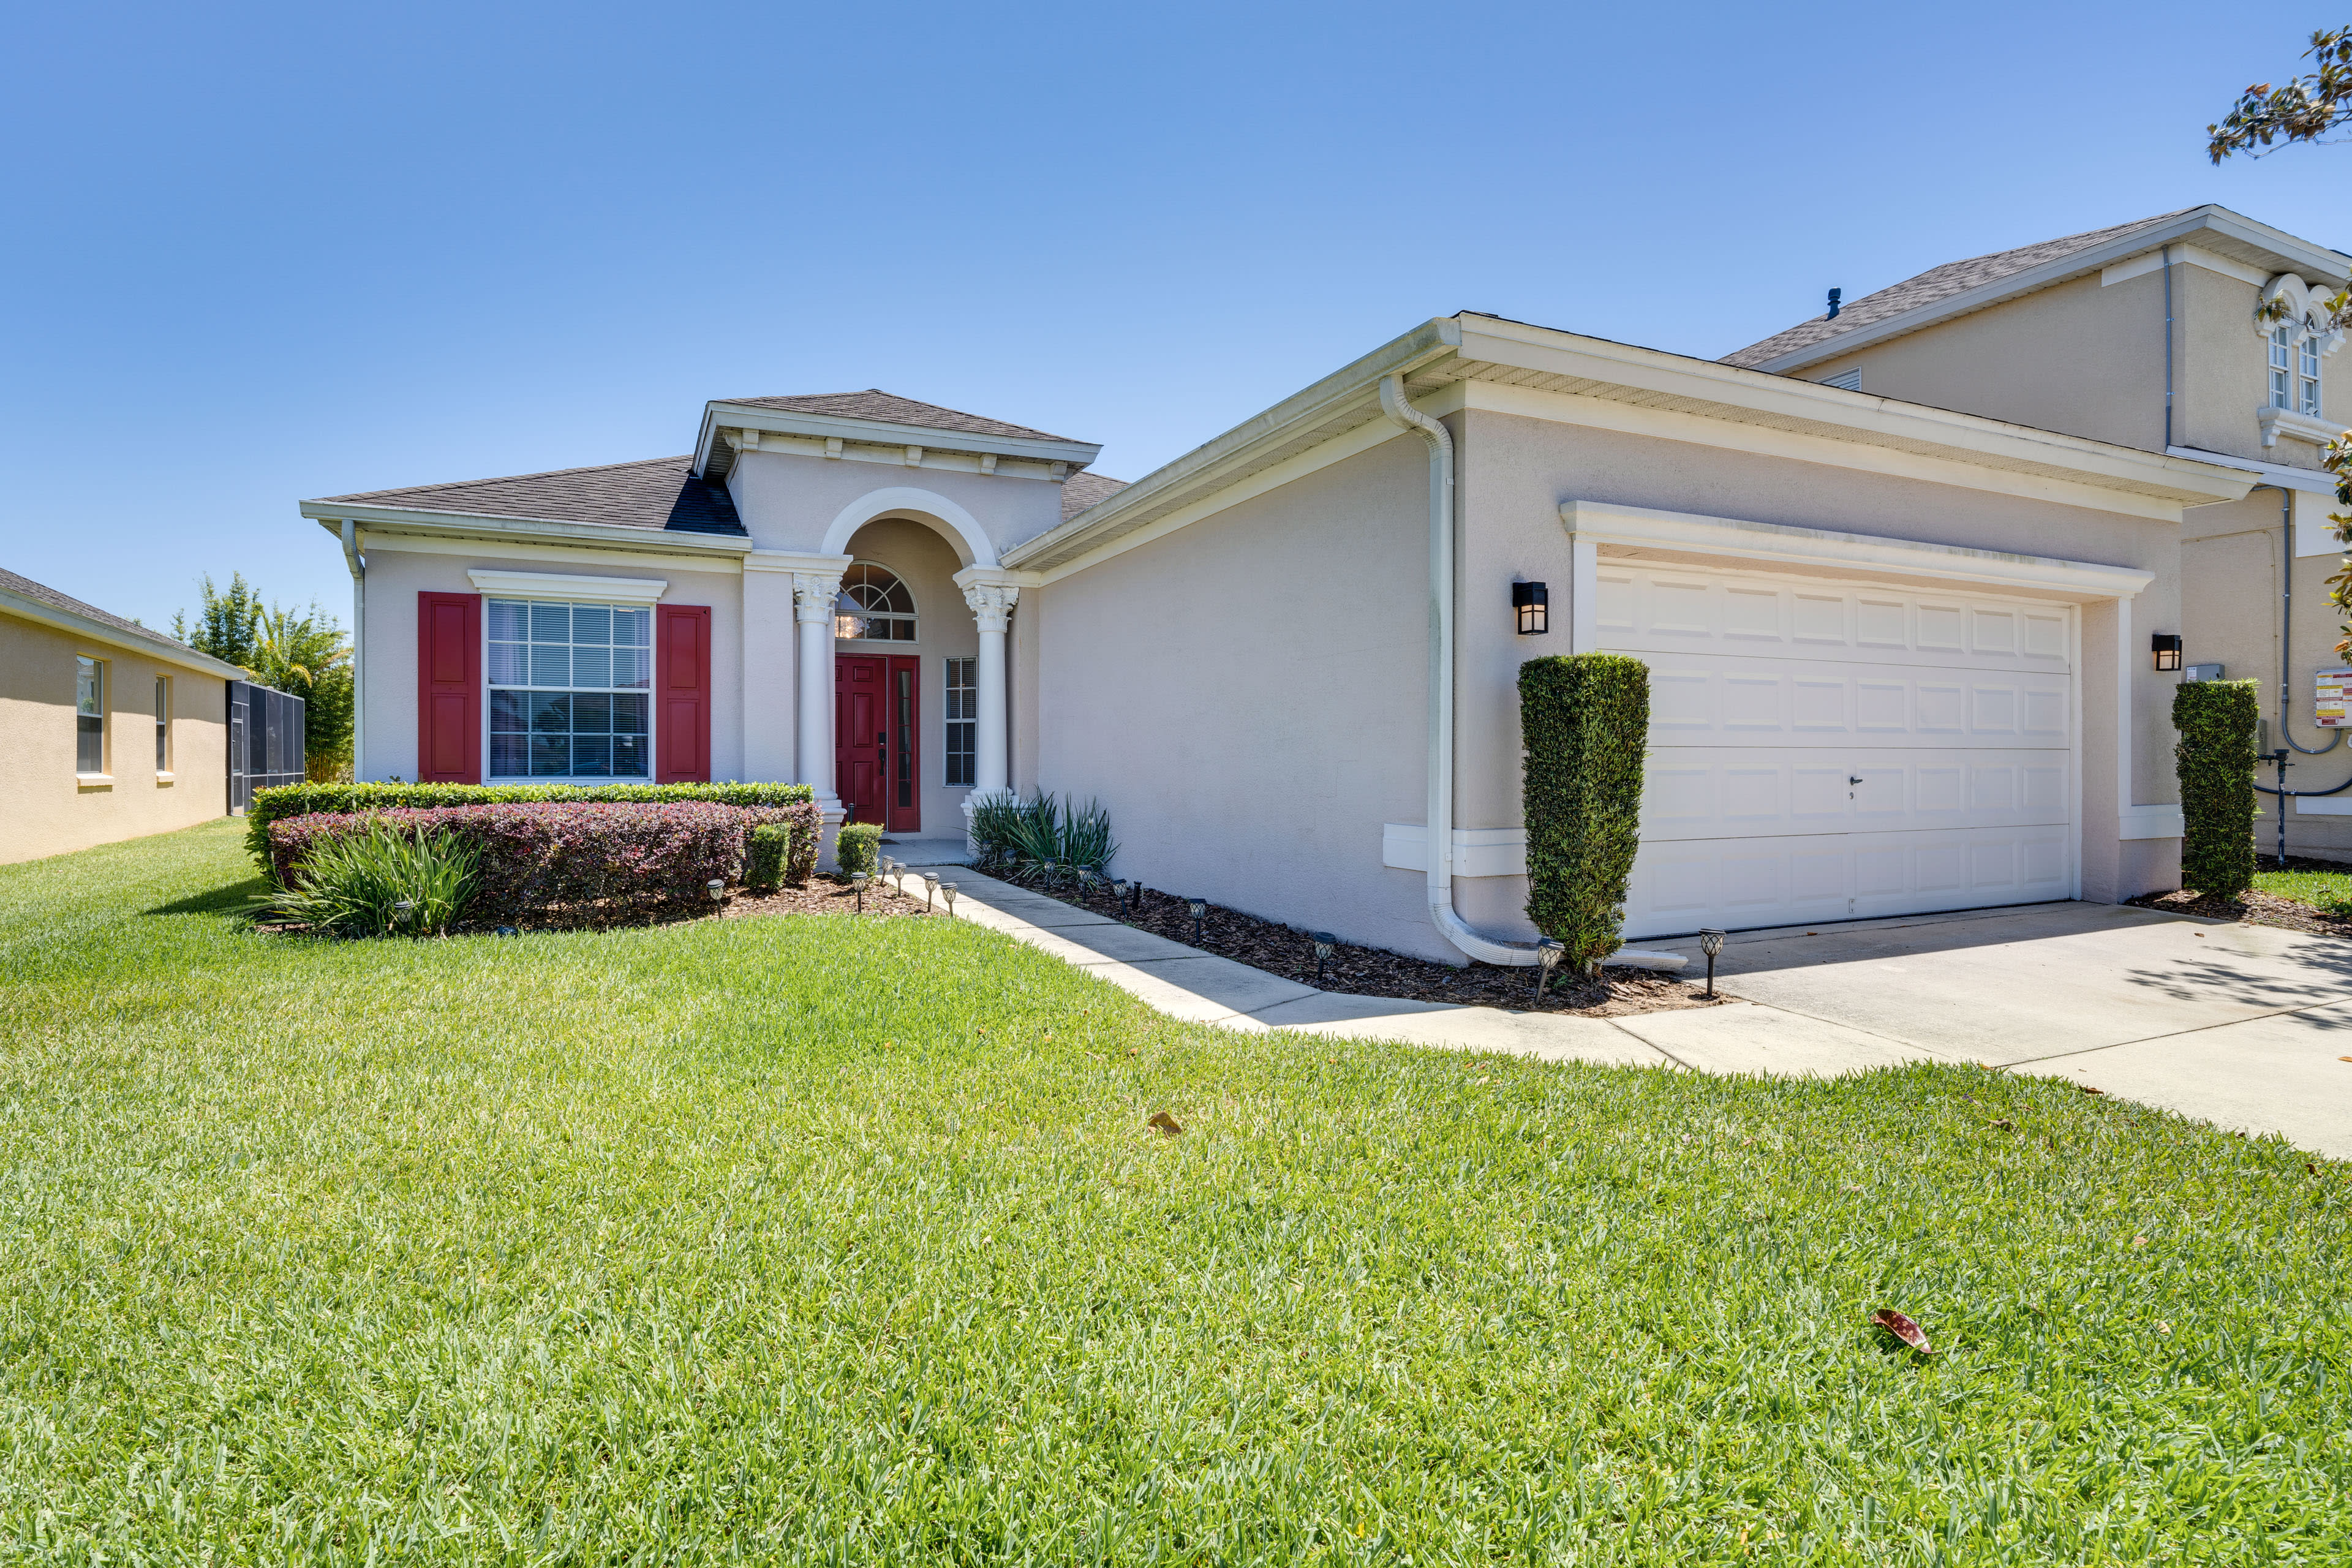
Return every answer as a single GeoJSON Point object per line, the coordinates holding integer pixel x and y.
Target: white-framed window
{"type": "Point", "coordinates": [2307, 380]}
{"type": "Point", "coordinates": [571, 689]}
{"type": "Point", "coordinates": [89, 716]}
{"type": "Point", "coordinates": [163, 723]}
{"type": "Point", "coordinates": [874, 606]}
{"type": "Point", "coordinates": [2282, 367]}
{"type": "Point", "coordinates": [962, 709]}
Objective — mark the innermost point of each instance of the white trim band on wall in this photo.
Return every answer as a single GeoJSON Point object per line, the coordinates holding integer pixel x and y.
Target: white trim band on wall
{"type": "Point", "coordinates": [561, 585]}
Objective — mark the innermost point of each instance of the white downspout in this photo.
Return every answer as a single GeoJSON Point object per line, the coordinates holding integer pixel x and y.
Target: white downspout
{"type": "Point", "coordinates": [358, 564]}
{"type": "Point", "coordinates": [1439, 835]}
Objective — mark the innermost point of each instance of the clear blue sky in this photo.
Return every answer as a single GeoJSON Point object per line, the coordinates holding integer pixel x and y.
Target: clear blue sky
{"type": "Point", "coordinates": [260, 253]}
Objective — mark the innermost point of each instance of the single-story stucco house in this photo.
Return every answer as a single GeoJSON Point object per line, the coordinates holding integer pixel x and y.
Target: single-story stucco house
{"type": "Point", "coordinates": [1899, 655]}
{"type": "Point", "coordinates": [108, 731]}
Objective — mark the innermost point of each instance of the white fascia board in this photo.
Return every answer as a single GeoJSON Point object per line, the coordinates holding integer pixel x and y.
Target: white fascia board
{"type": "Point", "coordinates": [1842, 555]}
{"type": "Point", "coordinates": [87, 630]}
{"type": "Point", "coordinates": [1196, 472]}
{"type": "Point", "coordinates": [1541, 349]}
{"type": "Point", "coordinates": [471, 525]}
{"type": "Point", "coordinates": [2312, 481]}
{"type": "Point", "coordinates": [797, 561]}
{"type": "Point", "coordinates": [716, 415]}
{"type": "Point", "coordinates": [568, 585]}
{"type": "Point", "coordinates": [2312, 262]}
{"type": "Point", "coordinates": [2186, 255]}
{"type": "Point", "coordinates": [475, 549]}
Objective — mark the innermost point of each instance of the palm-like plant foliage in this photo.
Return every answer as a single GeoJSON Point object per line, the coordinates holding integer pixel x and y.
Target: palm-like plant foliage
{"type": "Point", "coordinates": [356, 886]}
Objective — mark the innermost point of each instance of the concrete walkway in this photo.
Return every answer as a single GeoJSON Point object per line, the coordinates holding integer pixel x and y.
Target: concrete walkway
{"type": "Point", "coordinates": [2245, 1026]}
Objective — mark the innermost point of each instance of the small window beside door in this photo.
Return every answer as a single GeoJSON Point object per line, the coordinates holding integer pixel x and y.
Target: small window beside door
{"type": "Point", "coordinates": [162, 724]}
{"type": "Point", "coordinates": [962, 711]}
{"type": "Point", "coordinates": [90, 717]}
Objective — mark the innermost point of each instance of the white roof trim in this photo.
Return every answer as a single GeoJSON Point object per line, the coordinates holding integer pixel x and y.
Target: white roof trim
{"type": "Point", "coordinates": [719, 415]}
{"type": "Point", "coordinates": [2311, 481]}
{"type": "Point", "coordinates": [2292, 254]}
{"type": "Point", "coordinates": [88, 630]}
{"type": "Point", "coordinates": [474, 525]}
{"type": "Point", "coordinates": [1842, 555]}
{"type": "Point", "coordinates": [568, 585]}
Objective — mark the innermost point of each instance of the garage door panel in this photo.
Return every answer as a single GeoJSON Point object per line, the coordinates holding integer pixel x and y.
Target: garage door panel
{"type": "Point", "coordinates": [1677, 888]}
{"type": "Point", "coordinates": [1648, 609]}
{"type": "Point", "coordinates": [1705, 793]}
{"type": "Point", "coordinates": [1720, 700]}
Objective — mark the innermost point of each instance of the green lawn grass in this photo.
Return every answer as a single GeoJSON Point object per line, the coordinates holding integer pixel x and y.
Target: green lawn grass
{"type": "Point", "coordinates": [814, 1240]}
{"type": "Point", "coordinates": [2329, 890]}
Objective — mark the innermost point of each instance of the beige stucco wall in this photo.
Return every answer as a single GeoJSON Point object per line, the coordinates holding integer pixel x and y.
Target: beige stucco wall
{"type": "Point", "coordinates": [944, 629]}
{"type": "Point", "coordinates": [388, 655]}
{"type": "Point", "coordinates": [787, 502]}
{"type": "Point", "coordinates": [45, 809]}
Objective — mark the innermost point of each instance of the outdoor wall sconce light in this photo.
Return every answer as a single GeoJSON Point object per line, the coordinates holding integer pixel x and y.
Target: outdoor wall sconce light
{"type": "Point", "coordinates": [857, 880]}
{"type": "Point", "coordinates": [2166, 647]}
{"type": "Point", "coordinates": [1200, 907]}
{"type": "Point", "coordinates": [1532, 601]}
{"type": "Point", "coordinates": [1550, 950]}
{"type": "Point", "coordinates": [1710, 943]}
{"type": "Point", "coordinates": [1324, 942]}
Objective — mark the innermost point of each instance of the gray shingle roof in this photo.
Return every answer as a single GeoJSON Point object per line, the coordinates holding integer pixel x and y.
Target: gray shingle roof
{"type": "Point", "coordinates": [1936, 283]}
{"type": "Point", "coordinates": [1083, 489]}
{"type": "Point", "coordinates": [41, 592]}
{"type": "Point", "coordinates": [656, 493]}
{"type": "Point", "coordinates": [890, 408]}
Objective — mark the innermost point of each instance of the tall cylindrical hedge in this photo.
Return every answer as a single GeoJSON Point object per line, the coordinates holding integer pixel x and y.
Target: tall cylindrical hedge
{"type": "Point", "coordinates": [2216, 763]}
{"type": "Point", "coordinates": [1584, 719]}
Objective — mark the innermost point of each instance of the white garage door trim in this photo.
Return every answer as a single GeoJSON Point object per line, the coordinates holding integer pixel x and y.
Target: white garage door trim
{"type": "Point", "coordinates": [2018, 837]}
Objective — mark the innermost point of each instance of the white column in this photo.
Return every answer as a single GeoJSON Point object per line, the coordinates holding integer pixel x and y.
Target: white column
{"type": "Point", "coordinates": [991, 606]}
{"type": "Point", "coordinates": [813, 594]}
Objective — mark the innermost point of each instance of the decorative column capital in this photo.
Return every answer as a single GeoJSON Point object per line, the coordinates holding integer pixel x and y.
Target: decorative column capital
{"type": "Point", "coordinates": [991, 604]}
{"type": "Point", "coordinates": [814, 593]}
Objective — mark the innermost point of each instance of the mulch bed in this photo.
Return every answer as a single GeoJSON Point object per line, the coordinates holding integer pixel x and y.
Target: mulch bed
{"type": "Point", "coordinates": [826, 895]}
{"type": "Point", "coordinates": [2256, 908]}
{"type": "Point", "coordinates": [1376, 972]}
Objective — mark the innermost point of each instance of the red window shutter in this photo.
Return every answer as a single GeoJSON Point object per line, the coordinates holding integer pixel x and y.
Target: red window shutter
{"type": "Point", "coordinates": [682, 694]}
{"type": "Point", "coordinates": [449, 688]}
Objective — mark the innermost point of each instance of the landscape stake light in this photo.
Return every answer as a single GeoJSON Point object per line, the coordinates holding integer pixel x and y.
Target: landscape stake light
{"type": "Point", "coordinates": [931, 890]}
{"type": "Point", "coordinates": [1049, 873]}
{"type": "Point", "coordinates": [857, 880]}
{"type": "Point", "coordinates": [1710, 943]}
{"type": "Point", "coordinates": [2167, 649]}
{"type": "Point", "coordinates": [717, 887]}
{"type": "Point", "coordinates": [1549, 953]}
{"type": "Point", "coordinates": [1324, 942]}
{"type": "Point", "coordinates": [947, 891]}
{"type": "Point", "coordinates": [1532, 602]}
{"type": "Point", "coordinates": [1200, 907]}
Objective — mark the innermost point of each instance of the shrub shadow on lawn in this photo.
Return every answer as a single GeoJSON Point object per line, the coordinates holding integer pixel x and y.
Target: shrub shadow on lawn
{"type": "Point", "coordinates": [232, 899]}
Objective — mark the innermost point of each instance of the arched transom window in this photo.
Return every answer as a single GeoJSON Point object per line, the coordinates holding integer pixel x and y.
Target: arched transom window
{"type": "Point", "coordinates": [874, 606]}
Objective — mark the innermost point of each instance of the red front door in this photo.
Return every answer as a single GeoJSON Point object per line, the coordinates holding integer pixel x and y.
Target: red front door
{"type": "Point", "coordinates": [877, 728]}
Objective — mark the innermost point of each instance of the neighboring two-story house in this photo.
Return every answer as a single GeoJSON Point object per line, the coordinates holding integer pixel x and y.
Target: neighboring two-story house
{"type": "Point", "coordinates": [2161, 334]}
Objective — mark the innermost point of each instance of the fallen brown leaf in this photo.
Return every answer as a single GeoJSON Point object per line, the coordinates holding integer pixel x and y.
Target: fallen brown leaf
{"type": "Point", "coordinates": [2139, 1241]}
{"type": "Point", "coordinates": [1902, 1329]}
{"type": "Point", "coordinates": [2005, 1124]}
{"type": "Point", "coordinates": [2088, 1089]}
{"type": "Point", "coordinates": [1167, 1125]}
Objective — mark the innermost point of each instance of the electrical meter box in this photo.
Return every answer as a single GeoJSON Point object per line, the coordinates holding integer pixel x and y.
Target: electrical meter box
{"type": "Point", "coordinates": [2202, 672]}
{"type": "Point", "coordinates": [2332, 705]}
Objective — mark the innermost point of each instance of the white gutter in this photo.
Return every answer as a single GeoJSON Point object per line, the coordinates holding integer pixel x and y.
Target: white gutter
{"type": "Point", "coordinates": [1438, 835]}
{"type": "Point", "coordinates": [358, 564]}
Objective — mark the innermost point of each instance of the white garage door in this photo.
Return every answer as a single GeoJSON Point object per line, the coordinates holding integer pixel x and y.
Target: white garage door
{"type": "Point", "coordinates": [1820, 750]}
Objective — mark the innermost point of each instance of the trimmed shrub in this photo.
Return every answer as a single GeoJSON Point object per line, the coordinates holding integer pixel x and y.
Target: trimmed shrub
{"type": "Point", "coordinates": [354, 885]}
{"type": "Point", "coordinates": [2215, 760]}
{"type": "Point", "coordinates": [539, 856]}
{"type": "Point", "coordinates": [782, 853]}
{"type": "Point", "coordinates": [309, 799]}
{"type": "Point", "coordinates": [857, 848]}
{"type": "Point", "coordinates": [1584, 719]}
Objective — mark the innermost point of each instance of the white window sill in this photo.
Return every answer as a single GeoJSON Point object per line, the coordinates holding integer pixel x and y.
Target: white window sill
{"type": "Point", "coordinates": [164, 779]}
{"type": "Point", "coordinates": [94, 781]}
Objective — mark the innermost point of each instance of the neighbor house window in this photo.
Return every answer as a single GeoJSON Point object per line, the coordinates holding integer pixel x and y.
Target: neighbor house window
{"type": "Point", "coordinates": [2282, 367]}
{"type": "Point", "coordinates": [962, 709]}
{"type": "Point", "coordinates": [89, 716]}
{"type": "Point", "coordinates": [570, 689]}
{"type": "Point", "coordinates": [2307, 383]}
{"type": "Point", "coordinates": [163, 723]}
{"type": "Point", "coordinates": [874, 606]}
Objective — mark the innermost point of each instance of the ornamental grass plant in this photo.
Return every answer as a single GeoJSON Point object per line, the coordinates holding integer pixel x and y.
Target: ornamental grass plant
{"type": "Point", "coordinates": [383, 881]}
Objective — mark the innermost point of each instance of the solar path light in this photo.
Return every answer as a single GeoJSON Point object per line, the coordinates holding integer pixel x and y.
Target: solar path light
{"type": "Point", "coordinates": [1324, 942]}
{"type": "Point", "coordinates": [1710, 943]}
{"type": "Point", "coordinates": [857, 880]}
{"type": "Point", "coordinates": [931, 890]}
{"type": "Point", "coordinates": [1200, 907]}
{"type": "Point", "coordinates": [716, 887]}
{"type": "Point", "coordinates": [1549, 953]}
{"type": "Point", "coordinates": [947, 891]}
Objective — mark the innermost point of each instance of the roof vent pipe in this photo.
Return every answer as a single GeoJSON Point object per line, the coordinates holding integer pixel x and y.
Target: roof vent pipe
{"type": "Point", "coordinates": [1438, 837]}
{"type": "Point", "coordinates": [1835, 295]}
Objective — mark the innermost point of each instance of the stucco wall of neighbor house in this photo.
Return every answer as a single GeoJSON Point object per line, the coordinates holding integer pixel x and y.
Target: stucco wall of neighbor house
{"type": "Point", "coordinates": [1246, 695]}
{"type": "Point", "coordinates": [395, 578]}
{"type": "Point", "coordinates": [50, 810]}
{"type": "Point", "coordinates": [1516, 472]}
{"type": "Point", "coordinates": [2077, 357]}
{"type": "Point", "coordinates": [787, 502]}
{"type": "Point", "coordinates": [944, 629]}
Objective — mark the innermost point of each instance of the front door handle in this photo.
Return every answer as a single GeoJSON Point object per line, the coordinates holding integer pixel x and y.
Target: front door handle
{"type": "Point", "coordinates": [1854, 781]}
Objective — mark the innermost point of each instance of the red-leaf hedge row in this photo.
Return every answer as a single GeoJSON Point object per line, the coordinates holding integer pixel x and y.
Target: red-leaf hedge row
{"type": "Point", "coordinates": [541, 857]}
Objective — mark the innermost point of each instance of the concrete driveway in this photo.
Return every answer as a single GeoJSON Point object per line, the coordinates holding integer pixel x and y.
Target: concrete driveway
{"type": "Point", "coordinates": [2246, 1027]}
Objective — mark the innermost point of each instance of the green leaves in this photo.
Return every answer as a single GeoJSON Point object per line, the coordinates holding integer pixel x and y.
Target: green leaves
{"type": "Point", "coordinates": [1583, 718]}
{"type": "Point", "coordinates": [2215, 760]}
